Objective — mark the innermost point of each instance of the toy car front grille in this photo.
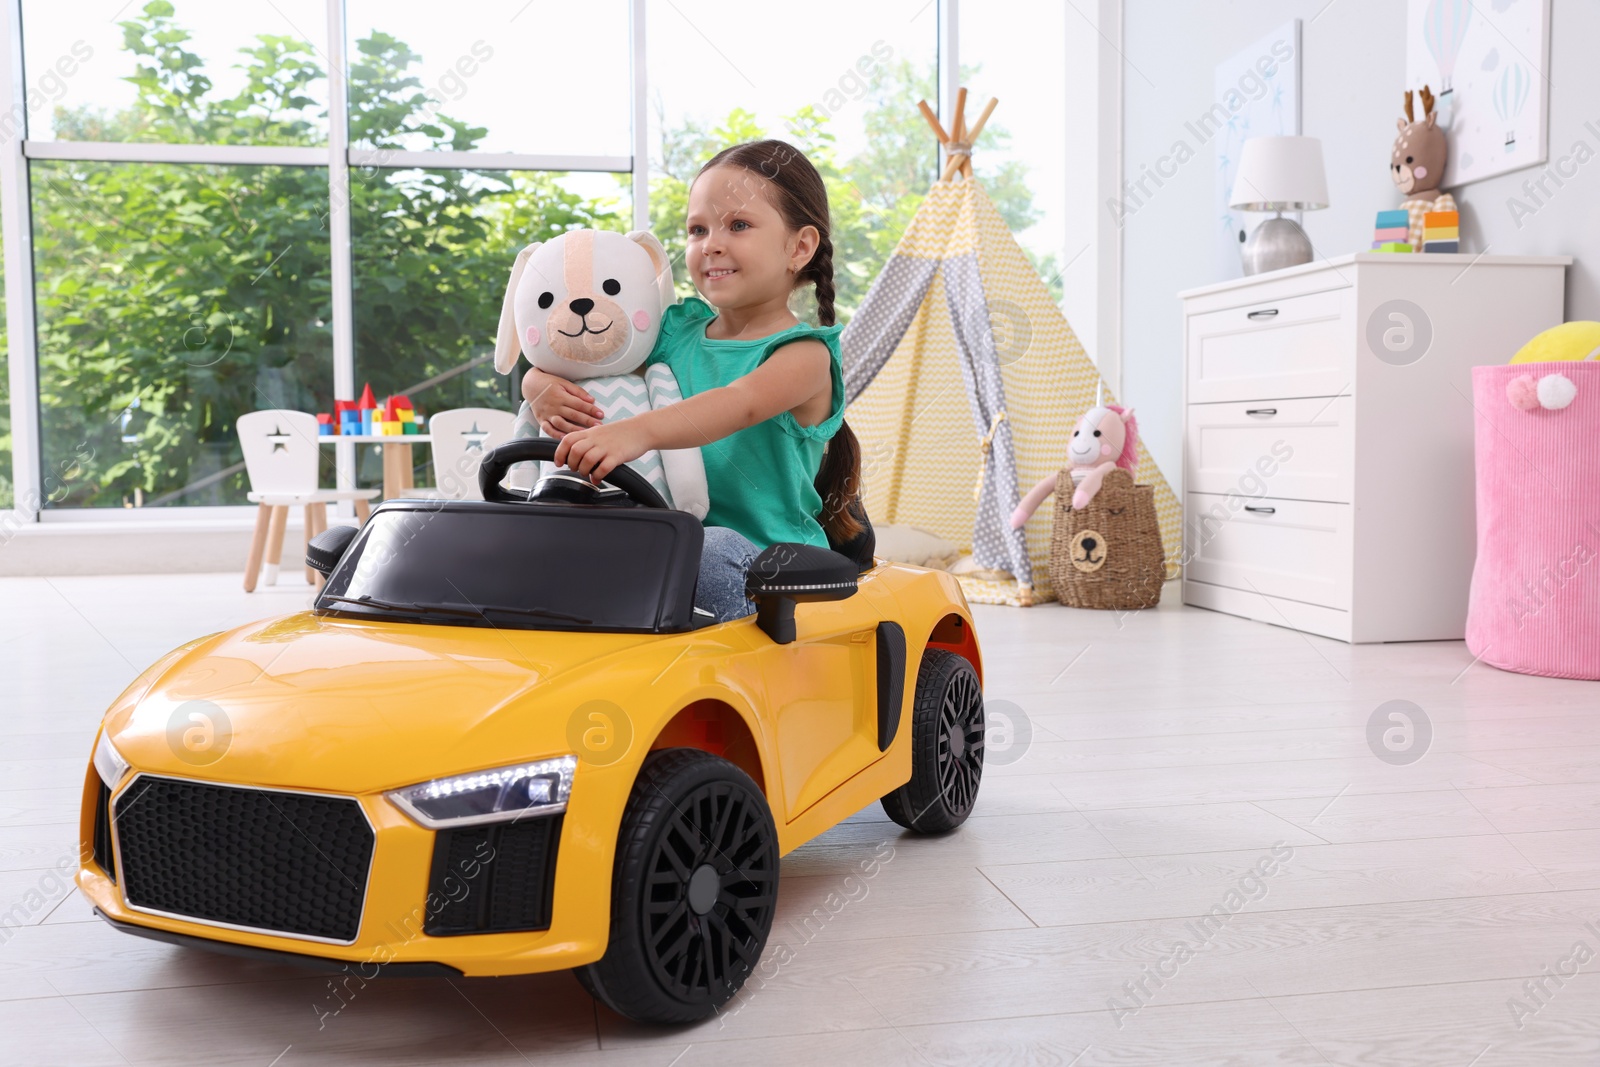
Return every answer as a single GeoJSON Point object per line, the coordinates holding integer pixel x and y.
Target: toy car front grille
{"type": "Point", "coordinates": [280, 862]}
{"type": "Point", "coordinates": [101, 844]}
{"type": "Point", "coordinates": [493, 878]}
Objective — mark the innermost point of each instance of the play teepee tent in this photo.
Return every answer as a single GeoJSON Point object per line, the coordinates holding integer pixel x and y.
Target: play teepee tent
{"type": "Point", "coordinates": [964, 381]}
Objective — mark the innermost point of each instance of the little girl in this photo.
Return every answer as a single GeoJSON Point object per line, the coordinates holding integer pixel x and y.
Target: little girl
{"type": "Point", "coordinates": [763, 392]}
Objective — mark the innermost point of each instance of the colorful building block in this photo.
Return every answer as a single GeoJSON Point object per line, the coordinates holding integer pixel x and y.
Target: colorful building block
{"type": "Point", "coordinates": [1393, 246]}
{"type": "Point", "coordinates": [1441, 233]}
{"type": "Point", "coordinates": [1392, 233]}
{"type": "Point", "coordinates": [1395, 217]}
{"type": "Point", "coordinates": [324, 424]}
{"type": "Point", "coordinates": [1441, 246]}
{"type": "Point", "coordinates": [1441, 218]}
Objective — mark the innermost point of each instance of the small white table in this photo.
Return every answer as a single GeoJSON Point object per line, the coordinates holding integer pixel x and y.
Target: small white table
{"type": "Point", "coordinates": [397, 459]}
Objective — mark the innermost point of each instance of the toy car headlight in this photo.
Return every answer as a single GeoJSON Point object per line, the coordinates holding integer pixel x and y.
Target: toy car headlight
{"type": "Point", "coordinates": [498, 795]}
{"type": "Point", "coordinates": [108, 762]}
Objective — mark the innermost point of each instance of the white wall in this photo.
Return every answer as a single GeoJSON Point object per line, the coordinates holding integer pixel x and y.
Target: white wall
{"type": "Point", "coordinates": [1352, 76]}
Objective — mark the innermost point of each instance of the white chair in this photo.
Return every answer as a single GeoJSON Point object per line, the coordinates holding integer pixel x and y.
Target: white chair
{"type": "Point", "coordinates": [461, 438]}
{"type": "Point", "coordinates": [280, 455]}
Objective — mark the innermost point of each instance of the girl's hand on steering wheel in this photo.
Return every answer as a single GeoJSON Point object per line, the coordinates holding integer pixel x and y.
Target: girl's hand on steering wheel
{"type": "Point", "coordinates": [599, 450]}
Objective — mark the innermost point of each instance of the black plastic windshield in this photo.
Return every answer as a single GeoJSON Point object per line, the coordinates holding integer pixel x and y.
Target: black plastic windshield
{"type": "Point", "coordinates": [521, 566]}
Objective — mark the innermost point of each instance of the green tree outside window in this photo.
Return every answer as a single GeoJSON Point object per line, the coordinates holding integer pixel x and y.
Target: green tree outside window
{"type": "Point", "coordinates": [173, 298]}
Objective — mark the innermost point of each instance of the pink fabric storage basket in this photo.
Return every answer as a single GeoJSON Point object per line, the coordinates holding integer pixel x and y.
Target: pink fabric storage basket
{"type": "Point", "coordinates": [1535, 605]}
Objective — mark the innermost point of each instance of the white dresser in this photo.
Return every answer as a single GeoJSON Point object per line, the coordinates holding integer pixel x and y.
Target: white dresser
{"type": "Point", "coordinates": [1328, 422]}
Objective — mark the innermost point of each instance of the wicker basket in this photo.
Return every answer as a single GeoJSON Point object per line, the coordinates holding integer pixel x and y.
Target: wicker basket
{"type": "Point", "coordinates": [1108, 555]}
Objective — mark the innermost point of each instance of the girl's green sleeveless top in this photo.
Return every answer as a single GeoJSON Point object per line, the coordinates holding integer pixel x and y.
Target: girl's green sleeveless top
{"type": "Point", "coordinates": [760, 478]}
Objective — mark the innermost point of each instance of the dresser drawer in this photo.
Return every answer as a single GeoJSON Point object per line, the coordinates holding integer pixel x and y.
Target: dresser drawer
{"type": "Point", "coordinates": [1300, 449]}
{"type": "Point", "coordinates": [1299, 346]}
{"type": "Point", "coordinates": [1296, 549]}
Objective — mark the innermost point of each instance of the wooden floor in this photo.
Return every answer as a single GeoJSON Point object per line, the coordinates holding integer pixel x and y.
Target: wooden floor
{"type": "Point", "coordinates": [1442, 911]}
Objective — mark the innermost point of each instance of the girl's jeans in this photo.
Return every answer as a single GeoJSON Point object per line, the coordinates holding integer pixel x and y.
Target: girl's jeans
{"type": "Point", "coordinates": [723, 562]}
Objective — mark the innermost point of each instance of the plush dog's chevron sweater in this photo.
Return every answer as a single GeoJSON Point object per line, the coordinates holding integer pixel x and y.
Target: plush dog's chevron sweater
{"type": "Point", "coordinates": [620, 396]}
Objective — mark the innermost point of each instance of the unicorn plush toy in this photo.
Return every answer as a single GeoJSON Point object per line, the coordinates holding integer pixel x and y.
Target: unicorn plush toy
{"type": "Point", "coordinates": [1106, 438]}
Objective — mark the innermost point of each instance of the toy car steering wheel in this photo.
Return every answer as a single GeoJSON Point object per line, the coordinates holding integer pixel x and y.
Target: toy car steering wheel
{"type": "Point", "coordinates": [543, 449]}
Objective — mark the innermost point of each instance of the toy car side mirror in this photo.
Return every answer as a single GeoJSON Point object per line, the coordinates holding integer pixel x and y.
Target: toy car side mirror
{"type": "Point", "coordinates": [326, 549]}
{"type": "Point", "coordinates": [788, 573]}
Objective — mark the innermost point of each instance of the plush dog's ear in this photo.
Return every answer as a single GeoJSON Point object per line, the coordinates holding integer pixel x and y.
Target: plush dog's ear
{"type": "Point", "coordinates": [507, 344]}
{"type": "Point", "coordinates": [663, 266]}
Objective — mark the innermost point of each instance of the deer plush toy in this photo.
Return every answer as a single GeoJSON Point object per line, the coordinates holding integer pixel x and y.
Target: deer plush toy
{"type": "Point", "coordinates": [1106, 438]}
{"type": "Point", "coordinates": [1417, 164]}
{"type": "Point", "coordinates": [587, 306]}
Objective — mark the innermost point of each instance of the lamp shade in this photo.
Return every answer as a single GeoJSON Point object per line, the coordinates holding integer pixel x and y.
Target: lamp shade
{"type": "Point", "coordinates": [1280, 174]}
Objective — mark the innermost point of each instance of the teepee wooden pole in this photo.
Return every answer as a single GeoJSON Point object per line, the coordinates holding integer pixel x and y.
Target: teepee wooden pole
{"type": "Point", "coordinates": [983, 117]}
{"type": "Point", "coordinates": [977, 128]}
{"type": "Point", "coordinates": [959, 134]}
{"type": "Point", "coordinates": [933, 121]}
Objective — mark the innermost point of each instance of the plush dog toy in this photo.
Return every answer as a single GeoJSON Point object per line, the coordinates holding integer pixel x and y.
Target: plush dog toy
{"type": "Point", "coordinates": [1106, 438]}
{"type": "Point", "coordinates": [587, 306]}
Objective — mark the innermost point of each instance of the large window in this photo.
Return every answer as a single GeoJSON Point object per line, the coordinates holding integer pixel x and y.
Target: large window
{"type": "Point", "coordinates": [843, 88]}
{"type": "Point", "coordinates": [171, 299]}
{"type": "Point", "coordinates": [527, 77]}
{"type": "Point", "coordinates": [1037, 154]}
{"type": "Point", "coordinates": [209, 236]}
{"type": "Point", "coordinates": [433, 251]}
{"type": "Point", "coordinates": [178, 71]}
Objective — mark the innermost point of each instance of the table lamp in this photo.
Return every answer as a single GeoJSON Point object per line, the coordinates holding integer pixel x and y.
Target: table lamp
{"type": "Point", "coordinates": [1279, 174]}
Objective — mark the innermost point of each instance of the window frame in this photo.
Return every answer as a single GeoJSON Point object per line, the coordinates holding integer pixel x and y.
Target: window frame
{"type": "Point", "coordinates": [16, 218]}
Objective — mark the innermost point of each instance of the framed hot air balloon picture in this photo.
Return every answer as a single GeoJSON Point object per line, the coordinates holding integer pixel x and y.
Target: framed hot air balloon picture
{"type": "Point", "coordinates": [1487, 65]}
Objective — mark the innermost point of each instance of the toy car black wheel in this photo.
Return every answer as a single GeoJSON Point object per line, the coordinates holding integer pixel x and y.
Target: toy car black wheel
{"type": "Point", "coordinates": [946, 747]}
{"type": "Point", "coordinates": [694, 890]}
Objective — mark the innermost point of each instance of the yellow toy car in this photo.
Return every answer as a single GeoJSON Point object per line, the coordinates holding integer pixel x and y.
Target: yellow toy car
{"type": "Point", "coordinates": [503, 741]}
